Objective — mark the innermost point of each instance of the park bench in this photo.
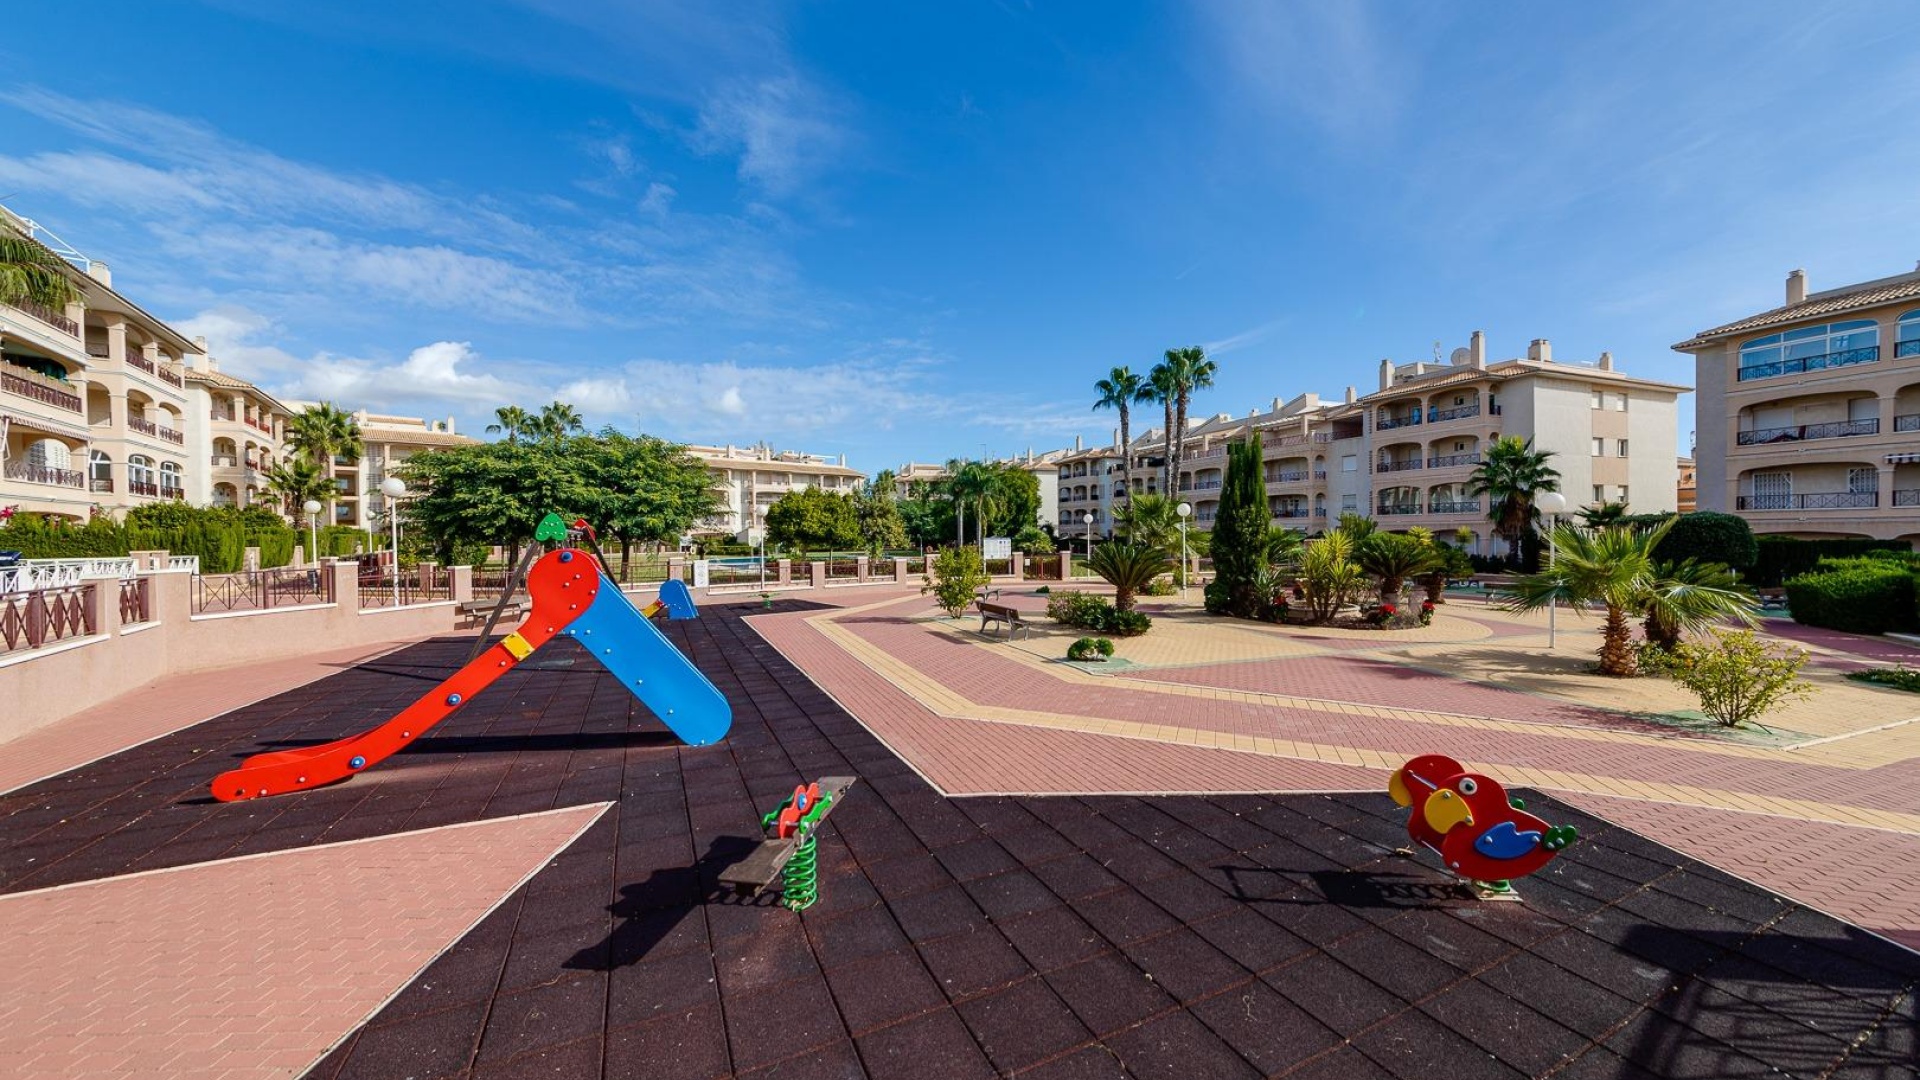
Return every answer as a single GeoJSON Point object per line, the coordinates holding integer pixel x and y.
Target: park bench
{"type": "Point", "coordinates": [991, 613]}
{"type": "Point", "coordinates": [475, 610]}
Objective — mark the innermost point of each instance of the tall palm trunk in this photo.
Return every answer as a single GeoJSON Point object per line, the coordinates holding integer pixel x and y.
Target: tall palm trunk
{"type": "Point", "coordinates": [1126, 451]}
{"type": "Point", "coordinates": [1166, 459]}
{"type": "Point", "coordinates": [1180, 423]}
{"type": "Point", "coordinates": [1616, 644]}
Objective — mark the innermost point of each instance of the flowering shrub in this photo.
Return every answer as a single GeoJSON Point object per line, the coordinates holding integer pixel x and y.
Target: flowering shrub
{"type": "Point", "coordinates": [1383, 615]}
{"type": "Point", "coordinates": [1426, 613]}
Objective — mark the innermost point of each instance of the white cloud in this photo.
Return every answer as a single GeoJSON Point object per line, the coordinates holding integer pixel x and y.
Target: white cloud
{"type": "Point", "coordinates": [1244, 338]}
{"type": "Point", "coordinates": [731, 403]}
{"type": "Point", "coordinates": [784, 129]}
{"type": "Point", "coordinates": [658, 199]}
{"type": "Point", "coordinates": [1328, 64]}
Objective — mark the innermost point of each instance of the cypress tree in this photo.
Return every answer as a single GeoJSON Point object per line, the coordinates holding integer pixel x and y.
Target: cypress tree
{"type": "Point", "coordinates": [1239, 534]}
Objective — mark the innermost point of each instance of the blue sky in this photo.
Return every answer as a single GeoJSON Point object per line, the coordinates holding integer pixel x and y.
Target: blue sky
{"type": "Point", "coordinates": [918, 231]}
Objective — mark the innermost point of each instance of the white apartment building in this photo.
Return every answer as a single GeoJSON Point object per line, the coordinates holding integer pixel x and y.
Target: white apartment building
{"type": "Point", "coordinates": [749, 479]}
{"type": "Point", "coordinates": [1088, 483]}
{"type": "Point", "coordinates": [386, 442]}
{"type": "Point", "coordinates": [235, 435]}
{"type": "Point", "coordinates": [93, 399]}
{"type": "Point", "coordinates": [1808, 419]}
{"type": "Point", "coordinates": [1404, 454]}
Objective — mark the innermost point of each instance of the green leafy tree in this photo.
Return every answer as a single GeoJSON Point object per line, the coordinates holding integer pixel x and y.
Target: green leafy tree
{"type": "Point", "coordinates": [494, 493]}
{"type": "Point", "coordinates": [1394, 558]}
{"type": "Point", "coordinates": [642, 490]}
{"type": "Point", "coordinates": [1016, 499]}
{"type": "Point", "coordinates": [1033, 540]}
{"type": "Point", "coordinates": [1120, 390]}
{"type": "Point", "coordinates": [1615, 568]}
{"type": "Point", "coordinates": [1129, 568]}
{"type": "Point", "coordinates": [32, 274]}
{"type": "Point", "coordinates": [1710, 537]}
{"type": "Point", "coordinates": [971, 484]}
{"type": "Point", "coordinates": [511, 421]}
{"type": "Point", "coordinates": [1188, 370]}
{"type": "Point", "coordinates": [812, 519]}
{"type": "Point", "coordinates": [877, 515]}
{"type": "Point", "coordinates": [1738, 677]}
{"type": "Point", "coordinates": [953, 577]}
{"type": "Point", "coordinates": [1511, 473]}
{"type": "Point", "coordinates": [1240, 535]}
{"type": "Point", "coordinates": [927, 513]}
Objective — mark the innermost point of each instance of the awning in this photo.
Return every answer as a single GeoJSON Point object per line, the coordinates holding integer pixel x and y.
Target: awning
{"type": "Point", "coordinates": [1902, 459]}
{"type": "Point", "coordinates": [51, 427]}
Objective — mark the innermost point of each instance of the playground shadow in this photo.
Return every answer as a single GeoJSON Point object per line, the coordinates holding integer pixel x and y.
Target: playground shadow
{"type": "Point", "coordinates": [648, 911]}
{"type": "Point", "coordinates": [494, 744]}
{"type": "Point", "coordinates": [1346, 888]}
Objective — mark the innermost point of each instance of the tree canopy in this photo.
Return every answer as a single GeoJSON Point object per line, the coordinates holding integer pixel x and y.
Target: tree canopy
{"type": "Point", "coordinates": [813, 519]}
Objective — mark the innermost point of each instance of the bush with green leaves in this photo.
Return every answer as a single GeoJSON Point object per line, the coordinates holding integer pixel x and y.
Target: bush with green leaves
{"type": "Point", "coordinates": [1739, 678]}
{"type": "Point", "coordinates": [1784, 557]}
{"type": "Point", "coordinates": [1900, 678]}
{"type": "Point", "coordinates": [1860, 595]}
{"type": "Point", "coordinates": [1160, 586]}
{"type": "Point", "coordinates": [1090, 649]}
{"type": "Point", "coordinates": [1240, 535]}
{"type": "Point", "coordinates": [953, 578]}
{"type": "Point", "coordinates": [1086, 611]}
{"type": "Point", "coordinates": [1129, 568]}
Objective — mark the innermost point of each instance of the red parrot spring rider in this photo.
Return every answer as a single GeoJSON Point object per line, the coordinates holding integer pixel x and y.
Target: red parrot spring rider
{"type": "Point", "coordinates": [1479, 832]}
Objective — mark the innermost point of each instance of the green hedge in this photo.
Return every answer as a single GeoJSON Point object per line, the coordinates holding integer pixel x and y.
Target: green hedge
{"type": "Point", "coordinates": [1783, 557]}
{"type": "Point", "coordinates": [1861, 595]}
{"type": "Point", "coordinates": [1705, 536]}
{"type": "Point", "coordinates": [219, 536]}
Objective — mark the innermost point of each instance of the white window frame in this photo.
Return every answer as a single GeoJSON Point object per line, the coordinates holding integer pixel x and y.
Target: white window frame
{"type": "Point", "coordinates": [1599, 446]}
{"type": "Point", "coordinates": [1622, 447]}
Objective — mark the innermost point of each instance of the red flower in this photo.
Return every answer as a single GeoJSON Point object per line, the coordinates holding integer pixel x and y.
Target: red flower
{"type": "Point", "coordinates": [1388, 609]}
{"type": "Point", "coordinates": [1426, 605]}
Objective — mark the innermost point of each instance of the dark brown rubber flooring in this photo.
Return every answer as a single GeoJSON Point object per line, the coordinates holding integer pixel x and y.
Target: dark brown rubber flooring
{"type": "Point", "coordinates": [1172, 937]}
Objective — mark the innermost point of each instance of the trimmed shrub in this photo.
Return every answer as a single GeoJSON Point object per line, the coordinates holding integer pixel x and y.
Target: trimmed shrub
{"type": "Point", "coordinates": [1090, 649]}
{"type": "Point", "coordinates": [1900, 678]}
{"type": "Point", "coordinates": [1088, 612]}
{"type": "Point", "coordinates": [1861, 596]}
{"type": "Point", "coordinates": [1783, 557]}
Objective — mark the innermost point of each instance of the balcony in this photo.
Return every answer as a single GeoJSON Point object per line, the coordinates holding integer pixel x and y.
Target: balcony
{"type": "Point", "coordinates": [1470, 506]}
{"type": "Point", "coordinates": [1460, 412]}
{"type": "Point", "coordinates": [1907, 348]}
{"type": "Point", "coordinates": [141, 362]}
{"type": "Point", "coordinates": [1844, 358]}
{"type": "Point", "coordinates": [1204, 485]}
{"type": "Point", "coordinates": [171, 377]}
{"type": "Point", "coordinates": [1388, 423]}
{"type": "Point", "coordinates": [1910, 422]}
{"type": "Point", "coordinates": [1836, 430]}
{"type": "Point", "coordinates": [143, 487]}
{"type": "Point", "coordinates": [101, 485]}
{"type": "Point", "coordinates": [38, 387]}
{"type": "Point", "coordinates": [1906, 496]}
{"type": "Point", "coordinates": [1397, 466]}
{"type": "Point", "coordinates": [41, 474]}
{"type": "Point", "coordinates": [50, 317]}
{"type": "Point", "coordinates": [1450, 460]}
{"type": "Point", "coordinates": [1397, 509]}
{"type": "Point", "coordinates": [155, 431]}
{"type": "Point", "coordinates": [1286, 478]}
{"type": "Point", "coordinates": [1824, 500]}
{"type": "Point", "coordinates": [1295, 512]}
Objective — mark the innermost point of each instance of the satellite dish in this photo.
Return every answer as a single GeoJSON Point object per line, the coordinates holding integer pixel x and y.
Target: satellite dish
{"type": "Point", "coordinates": [1461, 357]}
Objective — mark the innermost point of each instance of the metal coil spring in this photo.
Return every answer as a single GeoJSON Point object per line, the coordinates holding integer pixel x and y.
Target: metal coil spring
{"type": "Point", "coordinates": [800, 881]}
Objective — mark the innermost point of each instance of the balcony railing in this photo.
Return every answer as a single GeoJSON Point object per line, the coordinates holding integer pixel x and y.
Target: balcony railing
{"type": "Point", "coordinates": [1910, 422]}
{"type": "Point", "coordinates": [1319, 474]}
{"type": "Point", "coordinates": [149, 428]}
{"type": "Point", "coordinates": [1394, 509]}
{"type": "Point", "coordinates": [137, 360]}
{"type": "Point", "coordinates": [1907, 348]}
{"type": "Point", "coordinates": [1286, 478]}
{"type": "Point", "coordinates": [143, 487]}
{"type": "Point", "coordinates": [1843, 358]}
{"type": "Point", "coordinates": [1459, 412]}
{"type": "Point", "coordinates": [1293, 512]}
{"type": "Point", "coordinates": [1822, 500]}
{"type": "Point", "coordinates": [1450, 460]}
{"type": "Point", "coordinates": [1388, 423]}
{"type": "Point", "coordinates": [49, 316]}
{"type": "Point", "coordinates": [1468, 506]}
{"type": "Point", "coordinates": [101, 485]}
{"type": "Point", "coordinates": [41, 474]}
{"type": "Point", "coordinates": [37, 387]}
{"type": "Point", "coordinates": [171, 377]}
{"type": "Point", "coordinates": [1834, 430]}
{"type": "Point", "coordinates": [1397, 466]}
{"type": "Point", "coordinates": [1203, 485]}
{"type": "Point", "coordinates": [1906, 497]}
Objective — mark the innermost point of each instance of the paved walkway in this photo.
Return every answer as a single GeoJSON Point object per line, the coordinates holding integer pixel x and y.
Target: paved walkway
{"type": "Point", "coordinates": [1835, 821]}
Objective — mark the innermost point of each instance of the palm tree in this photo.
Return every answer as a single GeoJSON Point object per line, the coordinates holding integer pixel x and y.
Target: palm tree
{"type": "Point", "coordinates": [1119, 390]}
{"type": "Point", "coordinates": [323, 433]}
{"type": "Point", "coordinates": [1513, 472]}
{"type": "Point", "coordinates": [979, 483]}
{"type": "Point", "coordinates": [1690, 596]}
{"type": "Point", "coordinates": [1153, 520]}
{"type": "Point", "coordinates": [1189, 370]}
{"type": "Point", "coordinates": [31, 274]}
{"type": "Point", "coordinates": [1160, 387]}
{"type": "Point", "coordinates": [296, 481]}
{"type": "Point", "coordinates": [1356, 527]}
{"type": "Point", "coordinates": [1129, 568]}
{"type": "Point", "coordinates": [1329, 574]}
{"type": "Point", "coordinates": [1603, 514]}
{"type": "Point", "coordinates": [1393, 558]}
{"type": "Point", "coordinates": [512, 421]}
{"type": "Point", "coordinates": [557, 420]}
{"type": "Point", "coordinates": [1614, 566]}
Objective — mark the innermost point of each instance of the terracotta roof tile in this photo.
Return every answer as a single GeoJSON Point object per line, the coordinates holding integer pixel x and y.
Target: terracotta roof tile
{"type": "Point", "coordinates": [1875, 294]}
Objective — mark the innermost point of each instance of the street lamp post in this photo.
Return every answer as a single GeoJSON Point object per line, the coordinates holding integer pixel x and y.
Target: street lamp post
{"type": "Point", "coordinates": [393, 488]}
{"type": "Point", "coordinates": [1552, 504]}
{"type": "Point", "coordinates": [758, 538]}
{"type": "Point", "coordinates": [1087, 520]}
{"type": "Point", "coordinates": [1186, 510]}
{"type": "Point", "coordinates": [312, 507]}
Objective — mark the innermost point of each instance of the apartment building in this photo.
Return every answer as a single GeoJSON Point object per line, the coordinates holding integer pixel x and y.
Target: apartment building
{"type": "Point", "coordinates": [1808, 416]}
{"type": "Point", "coordinates": [916, 472]}
{"type": "Point", "coordinates": [386, 442]}
{"type": "Point", "coordinates": [235, 436]}
{"type": "Point", "coordinates": [749, 479]}
{"type": "Point", "coordinates": [1405, 453]}
{"type": "Point", "coordinates": [93, 399]}
{"type": "Point", "coordinates": [1086, 481]}
{"type": "Point", "coordinates": [1686, 497]}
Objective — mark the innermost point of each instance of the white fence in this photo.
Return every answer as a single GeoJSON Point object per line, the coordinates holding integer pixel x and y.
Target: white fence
{"type": "Point", "coordinates": [34, 574]}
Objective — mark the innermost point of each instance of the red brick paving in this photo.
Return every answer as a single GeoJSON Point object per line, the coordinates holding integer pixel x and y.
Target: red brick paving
{"type": "Point", "coordinates": [253, 967]}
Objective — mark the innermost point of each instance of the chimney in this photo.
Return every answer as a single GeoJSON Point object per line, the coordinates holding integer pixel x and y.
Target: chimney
{"type": "Point", "coordinates": [1276, 404]}
{"type": "Point", "coordinates": [1351, 396]}
{"type": "Point", "coordinates": [1797, 287]}
{"type": "Point", "coordinates": [1541, 350]}
{"type": "Point", "coordinates": [1076, 444]}
{"type": "Point", "coordinates": [101, 273]}
{"type": "Point", "coordinates": [843, 461]}
{"type": "Point", "coordinates": [449, 427]}
{"type": "Point", "coordinates": [1386, 373]}
{"type": "Point", "coordinates": [1606, 361]}
{"type": "Point", "coordinates": [1477, 350]}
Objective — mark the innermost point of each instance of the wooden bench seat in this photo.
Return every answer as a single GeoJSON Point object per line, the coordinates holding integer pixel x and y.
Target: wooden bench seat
{"type": "Point", "coordinates": [991, 613]}
{"type": "Point", "coordinates": [764, 859]}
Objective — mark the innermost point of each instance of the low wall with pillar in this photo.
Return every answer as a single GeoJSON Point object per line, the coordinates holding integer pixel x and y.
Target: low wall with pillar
{"type": "Point", "coordinates": [46, 684]}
